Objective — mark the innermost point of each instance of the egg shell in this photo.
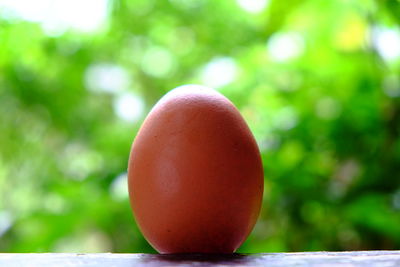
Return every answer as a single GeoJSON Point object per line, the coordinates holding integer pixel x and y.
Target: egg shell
{"type": "Point", "coordinates": [195, 175]}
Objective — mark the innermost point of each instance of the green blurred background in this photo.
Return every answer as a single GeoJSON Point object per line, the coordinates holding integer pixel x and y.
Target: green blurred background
{"type": "Point", "coordinates": [317, 81]}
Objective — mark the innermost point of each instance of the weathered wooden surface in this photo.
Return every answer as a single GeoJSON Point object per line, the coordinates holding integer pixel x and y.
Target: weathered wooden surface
{"type": "Point", "coordinates": [320, 259]}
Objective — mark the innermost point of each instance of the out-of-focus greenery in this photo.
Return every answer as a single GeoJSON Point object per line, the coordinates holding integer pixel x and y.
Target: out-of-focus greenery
{"type": "Point", "coordinates": [317, 81]}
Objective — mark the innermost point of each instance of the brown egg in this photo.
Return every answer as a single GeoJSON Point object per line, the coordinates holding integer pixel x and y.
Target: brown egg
{"type": "Point", "coordinates": [195, 174]}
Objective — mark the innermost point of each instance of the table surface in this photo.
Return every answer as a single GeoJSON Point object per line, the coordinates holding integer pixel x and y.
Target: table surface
{"type": "Point", "coordinates": [320, 259]}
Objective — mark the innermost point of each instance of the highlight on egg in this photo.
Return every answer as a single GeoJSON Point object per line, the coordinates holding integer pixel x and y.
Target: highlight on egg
{"type": "Point", "coordinates": [195, 175]}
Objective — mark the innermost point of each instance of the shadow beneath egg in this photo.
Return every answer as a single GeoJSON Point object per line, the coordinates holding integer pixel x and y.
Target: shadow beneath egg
{"type": "Point", "coordinates": [195, 259]}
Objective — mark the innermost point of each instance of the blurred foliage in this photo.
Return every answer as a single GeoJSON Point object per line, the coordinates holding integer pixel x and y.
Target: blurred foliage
{"type": "Point", "coordinates": [317, 81]}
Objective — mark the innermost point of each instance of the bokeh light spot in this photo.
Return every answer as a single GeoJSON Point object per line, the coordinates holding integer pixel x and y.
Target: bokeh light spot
{"type": "Point", "coordinates": [285, 46]}
{"type": "Point", "coordinates": [391, 85]}
{"type": "Point", "coordinates": [286, 118]}
{"type": "Point", "coordinates": [387, 42]}
{"type": "Point", "coordinates": [6, 221]}
{"type": "Point", "coordinates": [128, 106]}
{"type": "Point", "coordinates": [105, 77]}
{"type": "Point", "coordinates": [158, 62]}
{"type": "Point", "coordinates": [253, 6]}
{"type": "Point", "coordinates": [219, 72]}
{"type": "Point", "coordinates": [118, 187]}
{"type": "Point", "coordinates": [56, 16]}
{"type": "Point", "coordinates": [327, 108]}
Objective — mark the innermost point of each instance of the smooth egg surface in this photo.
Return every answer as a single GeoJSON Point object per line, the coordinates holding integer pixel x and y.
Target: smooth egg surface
{"type": "Point", "coordinates": [195, 175]}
